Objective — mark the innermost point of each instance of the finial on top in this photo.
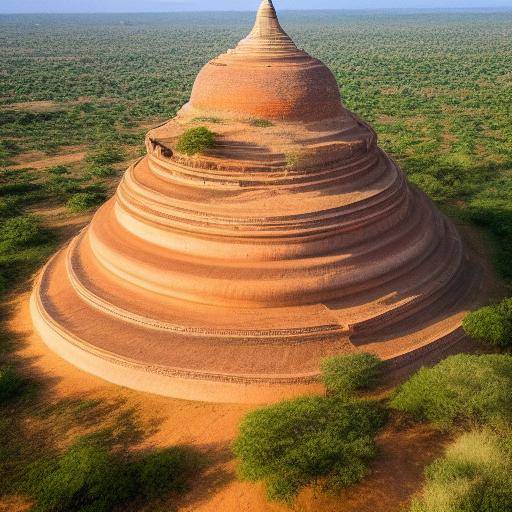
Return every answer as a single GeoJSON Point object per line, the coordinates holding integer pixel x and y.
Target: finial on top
{"type": "Point", "coordinates": [267, 24]}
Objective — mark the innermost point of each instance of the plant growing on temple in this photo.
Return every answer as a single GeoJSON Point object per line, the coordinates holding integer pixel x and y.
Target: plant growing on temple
{"type": "Point", "coordinates": [461, 390]}
{"type": "Point", "coordinates": [344, 375]}
{"type": "Point", "coordinates": [475, 475]}
{"type": "Point", "coordinates": [311, 440]}
{"type": "Point", "coordinates": [195, 140]}
{"type": "Point", "coordinates": [491, 324]}
{"type": "Point", "coordinates": [261, 123]}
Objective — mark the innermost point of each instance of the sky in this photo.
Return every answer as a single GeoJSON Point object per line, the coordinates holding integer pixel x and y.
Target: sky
{"type": "Point", "coordinates": [53, 6]}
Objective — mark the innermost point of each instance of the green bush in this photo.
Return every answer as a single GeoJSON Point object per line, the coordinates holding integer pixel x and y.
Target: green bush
{"type": "Point", "coordinates": [105, 156]}
{"type": "Point", "coordinates": [9, 207]}
{"type": "Point", "coordinates": [62, 186]}
{"type": "Point", "coordinates": [163, 472]}
{"type": "Point", "coordinates": [310, 440]}
{"type": "Point", "coordinates": [195, 140]}
{"type": "Point", "coordinates": [460, 389]}
{"type": "Point", "coordinates": [20, 231]}
{"type": "Point", "coordinates": [86, 478]}
{"type": "Point", "coordinates": [89, 478]}
{"type": "Point", "coordinates": [11, 384]}
{"type": "Point", "coordinates": [475, 475]}
{"type": "Point", "coordinates": [100, 171]}
{"type": "Point", "coordinates": [346, 374]}
{"type": "Point", "coordinates": [84, 201]}
{"type": "Point", "coordinates": [58, 170]}
{"type": "Point", "coordinates": [491, 324]}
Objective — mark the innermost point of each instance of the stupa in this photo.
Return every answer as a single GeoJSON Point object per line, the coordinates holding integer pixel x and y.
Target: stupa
{"type": "Point", "coordinates": [229, 275]}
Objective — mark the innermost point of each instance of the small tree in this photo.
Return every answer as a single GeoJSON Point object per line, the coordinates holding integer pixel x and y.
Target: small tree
{"type": "Point", "coordinates": [306, 441]}
{"type": "Point", "coordinates": [491, 324]}
{"type": "Point", "coordinates": [195, 140]}
{"type": "Point", "coordinates": [343, 375]}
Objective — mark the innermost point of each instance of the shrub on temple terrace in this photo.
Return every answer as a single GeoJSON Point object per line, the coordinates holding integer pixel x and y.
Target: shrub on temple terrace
{"type": "Point", "coordinates": [310, 440]}
{"type": "Point", "coordinates": [195, 140]}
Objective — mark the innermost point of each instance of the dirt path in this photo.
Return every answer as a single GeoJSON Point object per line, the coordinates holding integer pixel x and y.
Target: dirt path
{"type": "Point", "coordinates": [396, 474]}
{"type": "Point", "coordinates": [51, 161]}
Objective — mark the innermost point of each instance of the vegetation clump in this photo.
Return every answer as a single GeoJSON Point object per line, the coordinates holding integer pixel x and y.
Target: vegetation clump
{"type": "Point", "coordinates": [89, 478]}
{"type": "Point", "coordinates": [58, 170]}
{"type": "Point", "coordinates": [20, 231]}
{"type": "Point", "coordinates": [195, 140]}
{"type": "Point", "coordinates": [261, 123]}
{"type": "Point", "coordinates": [310, 440]}
{"type": "Point", "coordinates": [84, 201]}
{"type": "Point", "coordinates": [475, 475]}
{"type": "Point", "coordinates": [491, 324]}
{"type": "Point", "coordinates": [105, 156]}
{"type": "Point", "coordinates": [11, 384]}
{"type": "Point", "coordinates": [462, 389]}
{"type": "Point", "coordinates": [344, 375]}
{"type": "Point", "coordinates": [165, 471]}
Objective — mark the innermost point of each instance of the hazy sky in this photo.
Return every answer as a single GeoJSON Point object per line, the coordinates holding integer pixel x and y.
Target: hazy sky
{"type": "Point", "coordinates": [14, 6]}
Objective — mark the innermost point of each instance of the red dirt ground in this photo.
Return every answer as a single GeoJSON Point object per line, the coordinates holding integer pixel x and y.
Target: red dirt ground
{"type": "Point", "coordinates": [396, 473]}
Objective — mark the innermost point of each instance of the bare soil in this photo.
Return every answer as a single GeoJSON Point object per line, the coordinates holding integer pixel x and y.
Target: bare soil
{"type": "Point", "coordinates": [210, 428]}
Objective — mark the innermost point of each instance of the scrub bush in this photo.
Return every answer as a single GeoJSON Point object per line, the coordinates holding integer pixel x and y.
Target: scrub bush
{"type": "Point", "coordinates": [491, 324]}
{"type": "Point", "coordinates": [310, 440]}
{"type": "Point", "coordinates": [475, 475]}
{"type": "Point", "coordinates": [462, 389]}
{"type": "Point", "coordinates": [20, 231]}
{"type": "Point", "coordinates": [346, 374]}
{"type": "Point", "coordinates": [196, 140]}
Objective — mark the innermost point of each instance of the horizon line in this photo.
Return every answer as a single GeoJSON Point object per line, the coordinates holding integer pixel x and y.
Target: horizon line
{"type": "Point", "coordinates": [337, 9]}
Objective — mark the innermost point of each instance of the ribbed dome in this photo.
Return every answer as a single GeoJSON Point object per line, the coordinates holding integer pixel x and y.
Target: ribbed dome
{"type": "Point", "coordinates": [230, 274]}
{"type": "Point", "coordinates": [267, 76]}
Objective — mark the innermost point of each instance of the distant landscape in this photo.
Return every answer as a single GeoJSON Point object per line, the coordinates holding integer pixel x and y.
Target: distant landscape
{"type": "Point", "coordinates": [436, 87]}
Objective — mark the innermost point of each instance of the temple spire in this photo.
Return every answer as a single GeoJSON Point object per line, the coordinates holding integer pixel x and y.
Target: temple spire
{"type": "Point", "coordinates": [267, 24]}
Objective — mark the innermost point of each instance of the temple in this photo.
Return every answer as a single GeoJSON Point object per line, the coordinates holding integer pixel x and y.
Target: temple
{"type": "Point", "coordinates": [229, 275]}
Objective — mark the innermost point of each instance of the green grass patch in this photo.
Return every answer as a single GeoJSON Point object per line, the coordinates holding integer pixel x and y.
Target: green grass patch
{"type": "Point", "coordinates": [85, 201]}
{"type": "Point", "coordinates": [463, 389]}
{"type": "Point", "coordinates": [312, 440]}
{"type": "Point", "coordinates": [344, 375]}
{"type": "Point", "coordinates": [58, 170]}
{"type": "Point", "coordinates": [196, 140]}
{"type": "Point", "coordinates": [491, 324]}
{"type": "Point", "coordinates": [20, 231]}
{"type": "Point", "coordinates": [475, 475]}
